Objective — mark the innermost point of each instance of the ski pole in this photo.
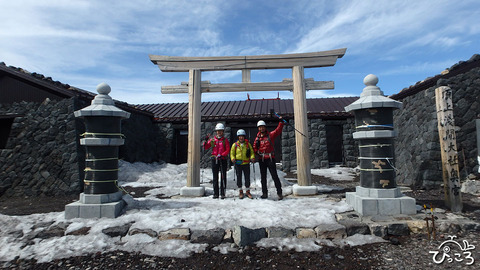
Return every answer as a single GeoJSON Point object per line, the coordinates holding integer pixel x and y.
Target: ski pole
{"type": "Point", "coordinates": [285, 121]}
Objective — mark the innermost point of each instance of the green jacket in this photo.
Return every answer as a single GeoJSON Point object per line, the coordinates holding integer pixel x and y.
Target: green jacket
{"type": "Point", "coordinates": [239, 152]}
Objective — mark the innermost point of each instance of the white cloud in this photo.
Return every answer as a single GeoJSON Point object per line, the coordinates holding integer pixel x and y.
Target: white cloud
{"type": "Point", "coordinates": [368, 24]}
{"type": "Point", "coordinates": [82, 42]}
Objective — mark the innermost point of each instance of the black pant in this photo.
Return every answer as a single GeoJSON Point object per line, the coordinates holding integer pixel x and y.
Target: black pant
{"type": "Point", "coordinates": [246, 171]}
{"type": "Point", "coordinates": [270, 164]}
{"type": "Point", "coordinates": [219, 165]}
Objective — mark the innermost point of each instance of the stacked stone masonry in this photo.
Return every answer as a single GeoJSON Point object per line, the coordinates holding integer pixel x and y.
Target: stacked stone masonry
{"type": "Point", "coordinates": [43, 155]}
{"type": "Point", "coordinates": [417, 147]}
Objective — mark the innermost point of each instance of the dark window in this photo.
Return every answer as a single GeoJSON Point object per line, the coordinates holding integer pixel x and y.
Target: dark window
{"type": "Point", "coordinates": [5, 128]}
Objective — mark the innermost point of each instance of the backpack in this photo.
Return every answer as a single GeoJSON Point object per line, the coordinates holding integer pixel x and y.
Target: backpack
{"type": "Point", "coordinates": [212, 142]}
{"type": "Point", "coordinates": [248, 148]}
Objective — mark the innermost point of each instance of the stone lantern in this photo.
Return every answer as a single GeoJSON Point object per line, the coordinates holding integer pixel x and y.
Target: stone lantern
{"type": "Point", "coordinates": [101, 196]}
{"type": "Point", "coordinates": [378, 193]}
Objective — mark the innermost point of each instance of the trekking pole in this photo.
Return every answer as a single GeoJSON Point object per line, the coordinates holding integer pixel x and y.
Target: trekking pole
{"type": "Point", "coordinates": [254, 179]}
{"type": "Point", "coordinates": [203, 169]}
{"type": "Point", "coordinates": [287, 123]}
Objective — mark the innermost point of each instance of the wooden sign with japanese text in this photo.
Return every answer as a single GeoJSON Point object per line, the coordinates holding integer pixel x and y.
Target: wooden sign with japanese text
{"type": "Point", "coordinates": [448, 144]}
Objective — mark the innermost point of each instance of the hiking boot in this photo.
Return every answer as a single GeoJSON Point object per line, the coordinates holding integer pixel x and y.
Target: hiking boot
{"type": "Point", "coordinates": [215, 196]}
{"type": "Point", "coordinates": [248, 194]}
{"type": "Point", "coordinates": [264, 196]}
{"type": "Point", "coordinates": [222, 197]}
{"type": "Point", "coordinates": [240, 195]}
{"type": "Point", "coordinates": [280, 197]}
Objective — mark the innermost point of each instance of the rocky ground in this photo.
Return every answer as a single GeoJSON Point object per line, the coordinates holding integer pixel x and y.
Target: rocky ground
{"type": "Point", "coordinates": [406, 252]}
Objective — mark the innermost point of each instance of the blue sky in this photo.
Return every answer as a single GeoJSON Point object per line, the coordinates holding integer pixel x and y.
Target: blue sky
{"type": "Point", "coordinates": [84, 43]}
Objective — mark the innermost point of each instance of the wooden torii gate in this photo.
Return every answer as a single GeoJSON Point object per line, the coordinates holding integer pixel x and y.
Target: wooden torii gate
{"type": "Point", "coordinates": [299, 85]}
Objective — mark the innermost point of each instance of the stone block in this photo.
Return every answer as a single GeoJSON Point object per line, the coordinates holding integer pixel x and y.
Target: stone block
{"type": "Point", "coordinates": [228, 237]}
{"type": "Point", "coordinates": [398, 229]}
{"type": "Point", "coordinates": [378, 229]}
{"type": "Point", "coordinates": [100, 198]}
{"type": "Point", "coordinates": [117, 230]}
{"type": "Point", "coordinates": [362, 192]}
{"type": "Point", "coordinates": [350, 198]}
{"type": "Point", "coordinates": [407, 205]}
{"type": "Point", "coordinates": [176, 233]}
{"type": "Point", "coordinates": [331, 231]}
{"type": "Point", "coordinates": [305, 233]}
{"type": "Point", "coordinates": [148, 232]}
{"type": "Point", "coordinates": [192, 191]}
{"type": "Point", "coordinates": [417, 226]}
{"type": "Point", "coordinates": [304, 190]}
{"type": "Point", "coordinates": [354, 227]}
{"type": "Point", "coordinates": [80, 210]}
{"type": "Point", "coordinates": [388, 206]}
{"type": "Point", "coordinates": [366, 206]}
{"type": "Point", "coordinates": [243, 236]}
{"type": "Point", "coordinates": [278, 232]}
{"type": "Point", "coordinates": [385, 193]}
{"type": "Point", "coordinates": [213, 236]}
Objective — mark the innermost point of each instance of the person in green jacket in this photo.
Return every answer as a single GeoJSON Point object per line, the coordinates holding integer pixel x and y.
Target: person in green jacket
{"type": "Point", "coordinates": [242, 154]}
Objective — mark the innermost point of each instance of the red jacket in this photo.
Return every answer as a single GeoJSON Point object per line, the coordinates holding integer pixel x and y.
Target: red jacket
{"type": "Point", "coordinates": [220, 146]}
{"type": "Point", "coordinates": [265, 144]}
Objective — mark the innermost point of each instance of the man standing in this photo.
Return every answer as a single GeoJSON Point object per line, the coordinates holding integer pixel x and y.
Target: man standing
{"type": "Point", "coordinates": [220, 150]}
{"type": "Point", "coordinates": [242, 154]}
{"type": "Point", "coordinates": [264, 148]}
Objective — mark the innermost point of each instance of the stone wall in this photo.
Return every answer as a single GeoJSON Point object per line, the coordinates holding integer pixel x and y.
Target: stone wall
{"type": "Point", "coordinates": [417, 148]}
{"type": "Point", "coordinates": [43, 155]}
{"type": "Point", "coordinates": [318, 144]}
{"type": "Point", "coordinates": [144, 140]}
{"type": "Point", "coordinates": [41, 152]}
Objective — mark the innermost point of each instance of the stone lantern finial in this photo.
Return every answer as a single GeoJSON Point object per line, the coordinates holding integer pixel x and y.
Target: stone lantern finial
{"type": "Point", "coordinates": [372, 89]}
{"type": "Point", "coordinates": [103, 89]}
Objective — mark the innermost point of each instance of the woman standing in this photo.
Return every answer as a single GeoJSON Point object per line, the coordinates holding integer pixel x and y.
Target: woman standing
{"type": "Point", "coordinates": [220, 149]}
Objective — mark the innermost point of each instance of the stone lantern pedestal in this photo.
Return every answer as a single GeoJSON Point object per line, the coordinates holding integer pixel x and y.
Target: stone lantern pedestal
{"type": "Point", "coordinates": [378, 193]}
{"type": "Point", "coordinates": [101, 196]}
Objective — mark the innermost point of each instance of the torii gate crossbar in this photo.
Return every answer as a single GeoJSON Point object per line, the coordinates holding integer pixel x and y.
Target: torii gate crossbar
{"type": "Point", "coordinates": [298, 84]}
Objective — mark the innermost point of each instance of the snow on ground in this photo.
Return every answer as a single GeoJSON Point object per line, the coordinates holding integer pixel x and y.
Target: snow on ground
{"type": "Point", "coordinates": [337, 173]}
{"type": "Point", "coordinates": [178, 212]}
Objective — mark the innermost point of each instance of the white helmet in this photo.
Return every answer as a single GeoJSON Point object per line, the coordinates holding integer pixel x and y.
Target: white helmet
{"type": "Point", "coordinates": [219, 126]}
{"type": "Point", "coordinates": [261, 123]}
{"type": "Point", "coordinates": [241, 132]}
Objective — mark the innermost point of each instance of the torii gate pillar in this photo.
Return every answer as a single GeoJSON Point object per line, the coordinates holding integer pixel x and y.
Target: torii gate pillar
{"type": "Point", "coordinates": [193, 187]}
{"type": "Point", "coordinates": [304, 186]}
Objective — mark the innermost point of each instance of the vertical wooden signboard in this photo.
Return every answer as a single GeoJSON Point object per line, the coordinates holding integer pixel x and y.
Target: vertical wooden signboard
{"type": "Point", "coordinates": [448, 143]}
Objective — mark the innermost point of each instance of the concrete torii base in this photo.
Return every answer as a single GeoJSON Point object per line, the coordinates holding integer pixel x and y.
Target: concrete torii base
{"type": "Point", "coordinates": [192, 191]}
{"type": "Point", "coordinates": [385, 202]}
{"type": "Point", "coordinates": [304, 190]}
{"type": "Point", "coordinates": [96, 206]}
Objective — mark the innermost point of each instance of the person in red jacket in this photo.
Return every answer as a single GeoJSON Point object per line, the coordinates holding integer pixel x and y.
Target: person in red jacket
{"type": "Point", "coordinates": [220, 150]}
{"type": "Point", "coordinates": [264, 148]}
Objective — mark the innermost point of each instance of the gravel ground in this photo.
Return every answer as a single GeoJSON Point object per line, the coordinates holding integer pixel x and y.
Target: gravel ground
{"type": "Point", "coordinates": [408, 252]}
